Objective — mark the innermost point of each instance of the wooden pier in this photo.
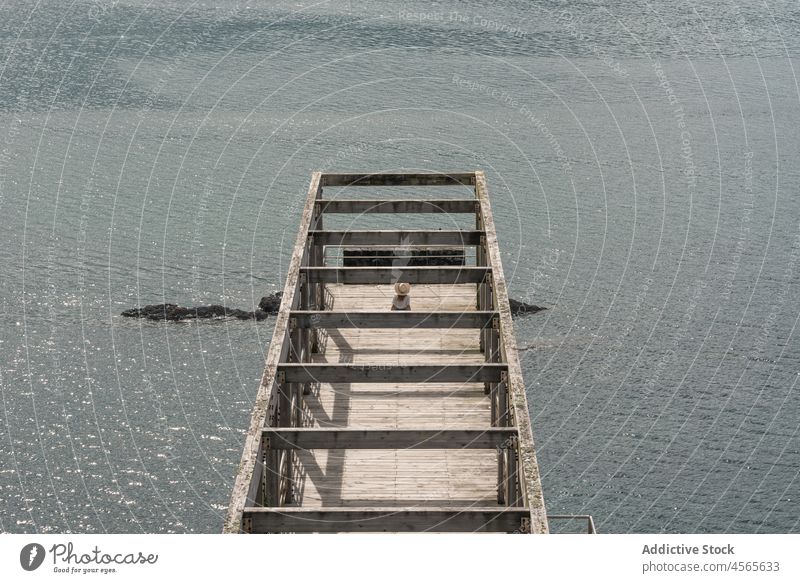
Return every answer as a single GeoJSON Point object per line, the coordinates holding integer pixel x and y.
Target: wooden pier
{"type": "Point", "coordinates": [372, 420]}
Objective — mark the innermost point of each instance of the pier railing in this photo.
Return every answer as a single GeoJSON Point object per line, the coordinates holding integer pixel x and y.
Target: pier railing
{"type": "Point", "coordinates": [587, 518]}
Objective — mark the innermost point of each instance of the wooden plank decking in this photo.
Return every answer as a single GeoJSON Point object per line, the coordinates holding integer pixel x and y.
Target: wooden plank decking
{"type": "Point", "coordinates": [373, 420]}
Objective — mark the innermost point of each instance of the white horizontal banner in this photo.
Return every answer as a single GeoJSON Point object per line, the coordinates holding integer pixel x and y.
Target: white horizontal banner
{"type": "Point", "coordinates": [355, 558]}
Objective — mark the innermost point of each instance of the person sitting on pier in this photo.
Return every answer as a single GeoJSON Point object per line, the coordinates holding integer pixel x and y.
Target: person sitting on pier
{"type": "Point", "coordinates": [401, 300]}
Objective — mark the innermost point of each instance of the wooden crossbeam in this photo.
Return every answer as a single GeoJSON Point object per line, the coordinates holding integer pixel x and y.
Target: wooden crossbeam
{"type": "Point", "coordinates": [350, 206]}
{"type": "Point", "coordinates": [325, 438]}
{"type": "Point", "coordinates": [389, 319]}
{"type": "Point", "coordinates": [396, 238]}
{"type": "Point", "coordinates": [388, 275]}
{"type": "Point", "coordinates": [380, 373]}
{"type": "Point", "coordinates": [399, 179]}
{"type": "Point", "coordinates": [301, 520]}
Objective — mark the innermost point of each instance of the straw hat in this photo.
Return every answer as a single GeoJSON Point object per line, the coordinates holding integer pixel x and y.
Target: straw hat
{"type": "Point", "coordinates": [402, 288]}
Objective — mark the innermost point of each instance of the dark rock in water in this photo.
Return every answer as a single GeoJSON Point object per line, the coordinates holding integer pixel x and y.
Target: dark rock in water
{"type": "Point", "coordinates": [268, 305]}
{"type": "Point", "coordinates": [519, 308]}
{"type": "Point", "coordinates": [175, 313]}
{"type": "Point", "coordinates": [271, 303]}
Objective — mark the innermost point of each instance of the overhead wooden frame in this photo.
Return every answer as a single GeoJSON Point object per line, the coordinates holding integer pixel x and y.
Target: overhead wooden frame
{"type": "Point", "coordinates": [410, 206]}
{"type": "Point", "coordinates": [400, 179]}
{"type": "Point", "coordinates": [348, 438]}
{"type": "Point", "coordinates": [397, 319]}
{"type": "Point", "coordinates": [390, 275]}
{"type": "Point", "coordinates": [370, 238]}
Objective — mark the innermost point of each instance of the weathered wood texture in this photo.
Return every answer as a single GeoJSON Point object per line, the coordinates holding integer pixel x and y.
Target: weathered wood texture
{"type": "Point", "coordinates": [424, 297]}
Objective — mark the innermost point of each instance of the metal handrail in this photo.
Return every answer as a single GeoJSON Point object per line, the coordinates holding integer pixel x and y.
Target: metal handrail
{"type": "Point", "coordinates": [590, 528]}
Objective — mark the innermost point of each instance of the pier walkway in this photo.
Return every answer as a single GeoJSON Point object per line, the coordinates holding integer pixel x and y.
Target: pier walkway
{"type": "Point", "coordinates": [372, 420]}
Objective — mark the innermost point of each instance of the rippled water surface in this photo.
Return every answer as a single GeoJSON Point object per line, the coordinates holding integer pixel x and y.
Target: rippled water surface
{"type": "Point", "coordinates": [642, 161]}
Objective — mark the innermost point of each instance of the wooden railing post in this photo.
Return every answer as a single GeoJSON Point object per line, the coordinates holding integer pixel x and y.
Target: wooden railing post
{"type": "Point", "coordinates": [511, 480]}
{"type": "Point", "coordinates": [502, 452]}
{"type": "Point", "coordinates": [264, 487]}
{"type": "Point", "coordinates": [502, 401]}
{"type": "Point", "coordinates": [272, 477]}
{"type": "Point", "coordinates": [317, 259]}
{"type": "Point", "coordinates": [480, 261]}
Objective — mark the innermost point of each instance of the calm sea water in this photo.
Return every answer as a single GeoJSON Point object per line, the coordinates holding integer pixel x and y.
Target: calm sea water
{"type": "Point", "coordinates": [642, 160]}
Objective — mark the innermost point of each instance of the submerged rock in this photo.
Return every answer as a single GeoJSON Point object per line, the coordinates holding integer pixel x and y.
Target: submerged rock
{"type": "Point", "coordinates": [519, 308]}
{"type": "Point", "coordinates": [176, 313]}
{"type": "Point", "coordinates": [271, 303]}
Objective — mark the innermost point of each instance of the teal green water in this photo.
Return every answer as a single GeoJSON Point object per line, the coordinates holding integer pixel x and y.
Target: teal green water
{"type": "Point", "coordinates": [642, 160]}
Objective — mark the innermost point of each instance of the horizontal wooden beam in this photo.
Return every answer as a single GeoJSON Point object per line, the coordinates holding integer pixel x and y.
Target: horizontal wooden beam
{"type": "Point", "coordinates": [400, 179]}
{"type": "Point", "coordinates": [396, 238]}
{"type": "Point", "coordinates": [388, 275]}
{"type": "Point", "coordinates": [302, 520]}
{"type": "Point", "coordinates": [316, 438]}
{"type": "Point", "coordinates": [455, 206]}
{"type": "Point", "coordinates": [389, 319]}
{"type": "Point", "coordinates": [382, 373]}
